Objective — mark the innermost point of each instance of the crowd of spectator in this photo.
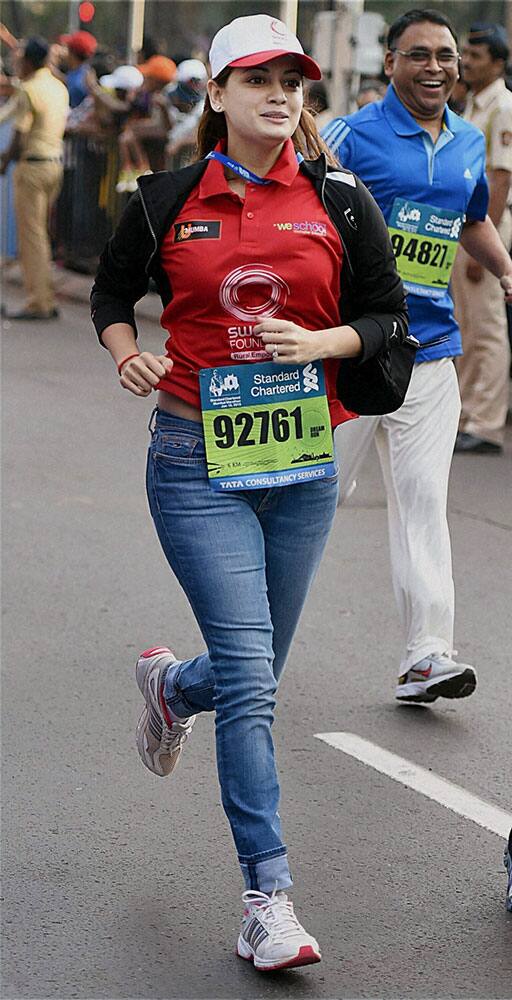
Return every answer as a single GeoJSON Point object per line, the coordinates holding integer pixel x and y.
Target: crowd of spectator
{"type": "Point", "coordinates": [149, 110]}
{"type": "Point", "coordinates": [141, 104]}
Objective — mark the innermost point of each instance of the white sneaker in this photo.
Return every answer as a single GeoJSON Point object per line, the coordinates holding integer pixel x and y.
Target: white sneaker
{"type": "Point", "coordinates": [434, 677]}
{"type": "Point", "coordinates": [271, 936]}
{"type": "Point", "coordinates": [159, 739]}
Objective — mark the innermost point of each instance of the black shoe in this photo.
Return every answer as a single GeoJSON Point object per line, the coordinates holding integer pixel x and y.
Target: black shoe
{"type": "Point", "coordinates": [476, 445]}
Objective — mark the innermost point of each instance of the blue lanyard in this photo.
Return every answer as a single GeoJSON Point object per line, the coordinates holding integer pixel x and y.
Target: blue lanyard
{"type": "Point", "coordinates": [237, 168]}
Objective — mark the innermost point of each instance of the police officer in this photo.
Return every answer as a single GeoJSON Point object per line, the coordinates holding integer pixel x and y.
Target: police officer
{"type": "Point", "coordinates": [479, 307]}
{"type": "Point", "coordinates": [39, 123]}
{"type": "Point", "coordinates": [425, 166]}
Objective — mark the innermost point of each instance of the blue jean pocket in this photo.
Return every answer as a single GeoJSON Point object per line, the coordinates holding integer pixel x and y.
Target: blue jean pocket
{"type": "Point", "coordinates": [178, 447]}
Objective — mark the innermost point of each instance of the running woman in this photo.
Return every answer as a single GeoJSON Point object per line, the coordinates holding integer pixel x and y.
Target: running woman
{"type": "Point", "coordinates": [247, 250]}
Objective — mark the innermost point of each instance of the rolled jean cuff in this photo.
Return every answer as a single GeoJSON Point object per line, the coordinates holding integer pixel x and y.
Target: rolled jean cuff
{"type": "Point", "coordinates": [272, 873]}
{"type": "Point", "coordinates": [173, 695]}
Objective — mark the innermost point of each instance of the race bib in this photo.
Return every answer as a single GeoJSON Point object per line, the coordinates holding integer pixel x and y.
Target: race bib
{"type": "Point", "coordinates": [425, 241]}
{"type": "Point", "coordinates": [266, 425]}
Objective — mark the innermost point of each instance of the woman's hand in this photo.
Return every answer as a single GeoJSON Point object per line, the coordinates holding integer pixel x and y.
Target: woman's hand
{"type": "Point", "coordinates": [294, 344]}
{"type": "Point", "coordinates": [142, 373]}
{"type": "Point", "coordinates": [291, 344]}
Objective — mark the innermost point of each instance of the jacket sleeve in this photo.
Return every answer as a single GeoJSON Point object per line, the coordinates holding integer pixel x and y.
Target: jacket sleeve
{"type": "Point", "coordinates": [373, 297]}
{"type": "Point", "coordinates": [122, 279]}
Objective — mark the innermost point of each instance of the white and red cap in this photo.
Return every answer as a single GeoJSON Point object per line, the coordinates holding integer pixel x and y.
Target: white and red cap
{"type": "Point", "coordinates": [250, 41]}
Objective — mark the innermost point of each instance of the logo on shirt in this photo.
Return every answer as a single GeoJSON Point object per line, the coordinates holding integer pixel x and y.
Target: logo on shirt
{"type": "Point", "coordinates": [309, 228]}
{"type": "Point", "coordinates": [506, 138]}
{"type": "Point", "coordinates": [186, 231]}
{"type": "Point", "coordinates": [251, 293]}
{"type": "Point", "coordinates": [350, 217]}
{"type": "Point", "coordinates": [468, 175]}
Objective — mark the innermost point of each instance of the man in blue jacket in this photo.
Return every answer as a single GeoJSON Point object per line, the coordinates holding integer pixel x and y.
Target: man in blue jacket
{"type": "Point", "coordinates": [425, 167]}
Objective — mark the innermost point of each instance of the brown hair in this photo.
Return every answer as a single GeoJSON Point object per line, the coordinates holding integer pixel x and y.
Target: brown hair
{"type": "Point", "coordinates": [212, 127]}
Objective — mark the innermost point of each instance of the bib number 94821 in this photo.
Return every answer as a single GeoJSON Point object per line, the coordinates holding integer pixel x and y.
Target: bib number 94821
{"type": "Point", "coordinates": [424, 251]}
{"type": "Point", "coordinates": [424, 239]}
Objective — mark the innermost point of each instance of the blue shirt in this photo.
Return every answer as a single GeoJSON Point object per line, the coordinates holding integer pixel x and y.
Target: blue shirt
{"type": "Point", "coordinates": [75, 82]}
{"type": "Point", "coordinates": [396, 158]}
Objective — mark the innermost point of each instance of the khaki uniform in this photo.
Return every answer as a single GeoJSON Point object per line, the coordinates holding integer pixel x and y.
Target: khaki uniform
{"type": "Point", "coordinates": [41, 119]}
{"type": "Point", "coordinates": [480, 308]}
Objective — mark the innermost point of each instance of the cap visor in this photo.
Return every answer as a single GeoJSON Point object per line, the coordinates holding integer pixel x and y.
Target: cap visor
{"type": "Point", "coordinates": [309, 67]}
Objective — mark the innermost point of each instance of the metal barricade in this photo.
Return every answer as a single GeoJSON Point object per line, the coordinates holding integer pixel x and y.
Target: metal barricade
{"type": "Point", "coordinates": [88, 206]}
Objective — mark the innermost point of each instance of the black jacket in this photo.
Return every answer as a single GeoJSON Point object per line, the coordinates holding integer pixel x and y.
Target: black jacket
{"type": "Point", "coordinates": [372, 298]}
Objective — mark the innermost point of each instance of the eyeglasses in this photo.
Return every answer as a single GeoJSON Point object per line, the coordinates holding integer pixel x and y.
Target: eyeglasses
{"type": "Point", "coordinates": [422, 57]}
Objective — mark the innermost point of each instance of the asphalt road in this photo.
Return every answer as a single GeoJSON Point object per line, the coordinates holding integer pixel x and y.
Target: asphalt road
{"type": "Point", "coordinates": [120, 885]}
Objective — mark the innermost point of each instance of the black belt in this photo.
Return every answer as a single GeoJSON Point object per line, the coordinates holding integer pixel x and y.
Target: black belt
{"type": "Point", "coordinates": [42, 159]}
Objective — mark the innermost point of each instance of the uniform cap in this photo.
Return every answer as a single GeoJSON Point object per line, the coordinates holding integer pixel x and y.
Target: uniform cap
{"type": "Point", "coordinates": [482, 33]}
{"type": "Point", "coordinates": [249, 41]}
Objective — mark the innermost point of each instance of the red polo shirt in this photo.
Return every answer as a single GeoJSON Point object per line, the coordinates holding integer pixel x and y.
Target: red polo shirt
{"type": "Point", "coordinates": [233, 262]}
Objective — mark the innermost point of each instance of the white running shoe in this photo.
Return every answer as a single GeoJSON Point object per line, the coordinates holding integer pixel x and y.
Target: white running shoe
{"type": "Point", "coordinates": [271, 936]}
{"type": "Point", "coordinates": [159, 739]}
{"type": "Point", "coordinates": [434, 677]}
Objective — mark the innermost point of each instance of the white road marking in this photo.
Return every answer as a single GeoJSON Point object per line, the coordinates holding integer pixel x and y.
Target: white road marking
{"type": "Point", "coordinates": [413, 776]}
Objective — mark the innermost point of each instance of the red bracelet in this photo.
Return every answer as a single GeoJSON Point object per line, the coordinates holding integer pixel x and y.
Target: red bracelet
{"type": "Point", "coordinates": [123, 362]}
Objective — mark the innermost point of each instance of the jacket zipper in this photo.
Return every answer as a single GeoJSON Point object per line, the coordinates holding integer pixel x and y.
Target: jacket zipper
{"type": "Point", "coordinates": [150, 258]}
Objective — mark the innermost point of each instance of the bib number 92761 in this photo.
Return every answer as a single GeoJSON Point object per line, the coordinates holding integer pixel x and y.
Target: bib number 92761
{"type": "Point", "coordinates": [265, 425]}
{"type": "Point", "coordinates": [246, 429]}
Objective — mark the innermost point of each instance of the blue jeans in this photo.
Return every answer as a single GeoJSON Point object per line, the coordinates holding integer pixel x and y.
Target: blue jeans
{"type": "Point", "coordinates": [246, 561]}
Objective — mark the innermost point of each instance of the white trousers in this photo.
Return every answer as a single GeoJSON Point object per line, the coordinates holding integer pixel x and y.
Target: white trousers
{"type": "Point", "coordinates": [415, 446]}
